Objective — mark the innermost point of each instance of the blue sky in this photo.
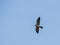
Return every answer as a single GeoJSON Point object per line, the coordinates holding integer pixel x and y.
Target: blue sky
{"type": "Point", "coordinates": [18, 17]}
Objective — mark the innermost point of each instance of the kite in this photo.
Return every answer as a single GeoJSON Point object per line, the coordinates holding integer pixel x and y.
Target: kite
{"type": "Point", "coordinates": [38, 25]}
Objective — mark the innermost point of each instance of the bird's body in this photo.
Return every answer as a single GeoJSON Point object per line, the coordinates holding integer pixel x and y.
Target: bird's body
{"type": "Point", "coordinates": [38, 25]}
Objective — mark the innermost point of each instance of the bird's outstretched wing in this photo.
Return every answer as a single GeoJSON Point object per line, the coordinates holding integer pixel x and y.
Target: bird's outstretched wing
{"type": "Point", "coordinates": [37, 29]}
{"type": "Point", "coordinates": [38, 21]}
{"type": "Point", "coordinates": [37, 24]}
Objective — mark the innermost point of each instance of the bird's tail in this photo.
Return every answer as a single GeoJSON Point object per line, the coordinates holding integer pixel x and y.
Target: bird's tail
{"type": "Point", "coordinates": [41, 27]}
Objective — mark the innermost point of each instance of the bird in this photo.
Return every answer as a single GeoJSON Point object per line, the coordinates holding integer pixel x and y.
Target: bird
{"type": "Point", "coordinates": [38, 25]}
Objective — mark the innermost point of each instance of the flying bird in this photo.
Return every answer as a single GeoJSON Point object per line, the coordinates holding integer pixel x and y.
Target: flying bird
{"type": "Point", "coordinates": [38, 25]}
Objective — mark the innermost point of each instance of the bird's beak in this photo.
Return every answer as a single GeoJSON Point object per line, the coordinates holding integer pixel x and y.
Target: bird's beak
{"type": "Point", "coordinates": [34, 25]}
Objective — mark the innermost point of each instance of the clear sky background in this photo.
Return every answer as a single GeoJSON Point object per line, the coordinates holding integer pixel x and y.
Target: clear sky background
{"type": "Point", "coordinates": [18, 17]}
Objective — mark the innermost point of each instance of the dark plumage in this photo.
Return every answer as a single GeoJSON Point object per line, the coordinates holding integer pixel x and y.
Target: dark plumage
{"type": "Point", "coordinates": [38, 25]}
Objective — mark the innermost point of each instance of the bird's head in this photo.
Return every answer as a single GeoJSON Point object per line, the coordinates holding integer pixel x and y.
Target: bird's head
{"type": "Point", "coordinates": [34, 25]}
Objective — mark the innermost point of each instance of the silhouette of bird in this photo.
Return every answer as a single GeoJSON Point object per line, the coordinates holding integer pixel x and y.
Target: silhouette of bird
{"type": "Point", "coordinates": [38, 25]}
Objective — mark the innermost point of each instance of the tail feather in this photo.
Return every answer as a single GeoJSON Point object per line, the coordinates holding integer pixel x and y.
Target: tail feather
{"type": "Point", "coordinates": [41, 27]}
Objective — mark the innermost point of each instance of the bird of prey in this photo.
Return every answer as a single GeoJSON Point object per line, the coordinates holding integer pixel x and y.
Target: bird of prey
{"type": "Point", "coordinates": [38, 25]}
